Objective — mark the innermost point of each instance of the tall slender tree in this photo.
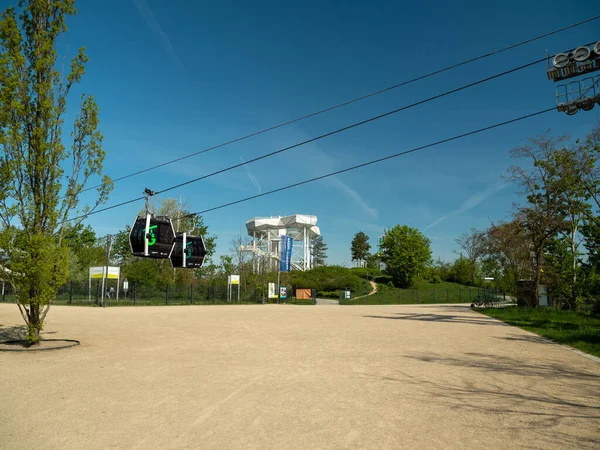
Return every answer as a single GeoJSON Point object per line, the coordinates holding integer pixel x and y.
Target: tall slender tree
{"type": "Point", "coordinates": [360, 247]}
{"type": "Point", "coordinates": [41, 178]}
{"type": "Point", "coordinates": [319, 251]}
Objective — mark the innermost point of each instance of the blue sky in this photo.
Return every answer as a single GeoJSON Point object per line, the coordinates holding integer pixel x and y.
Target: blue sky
{"type": "Point", "coordinates": [175, 77]}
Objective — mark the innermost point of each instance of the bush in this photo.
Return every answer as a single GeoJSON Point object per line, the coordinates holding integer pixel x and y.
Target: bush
{"type": "Point", "coordinates": [367, 274]}
{"type": "Point", "coordinates": [328, 279]}
{"type": "Point", "coordinates": [436, 279]}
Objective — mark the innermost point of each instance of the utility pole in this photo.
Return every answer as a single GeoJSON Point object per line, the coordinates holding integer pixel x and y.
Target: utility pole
{"type": "Point", "coordinates": [262, 266]}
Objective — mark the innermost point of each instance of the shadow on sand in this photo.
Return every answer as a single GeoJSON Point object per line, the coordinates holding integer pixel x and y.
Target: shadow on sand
{"type": "Point", "coordinates": [550, 395]}
{"type": "Point", "coordinates": [446, 318]}
{"type": "Point", "coordinates": [12, 339]}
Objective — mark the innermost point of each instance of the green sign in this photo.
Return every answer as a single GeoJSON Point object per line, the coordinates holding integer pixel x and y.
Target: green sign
{"type": "Point", "coordinates": [152, 239]}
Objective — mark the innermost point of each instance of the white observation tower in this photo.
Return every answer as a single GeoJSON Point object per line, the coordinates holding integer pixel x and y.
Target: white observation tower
{"type": "Point", "coordinates": [266, 235]}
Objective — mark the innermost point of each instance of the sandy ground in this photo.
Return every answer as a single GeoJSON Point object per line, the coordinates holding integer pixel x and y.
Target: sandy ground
{"type": "Point", "coordinates": [285, 376]}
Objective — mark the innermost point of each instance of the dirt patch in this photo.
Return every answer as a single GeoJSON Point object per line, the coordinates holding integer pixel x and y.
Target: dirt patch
{"type": "Point", "coordinates": [283, 376]}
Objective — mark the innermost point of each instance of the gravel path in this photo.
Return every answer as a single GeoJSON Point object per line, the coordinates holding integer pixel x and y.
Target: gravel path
{"type": "Point", "coordinates": [287, 376]}
{"type": "Point", "coordinates": [374, 286]}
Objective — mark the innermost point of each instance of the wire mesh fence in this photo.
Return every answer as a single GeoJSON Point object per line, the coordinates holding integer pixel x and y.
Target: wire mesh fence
{"type": "Point", "coordinates": [90, 294]}
{"type": "Point", "coordinates": [455, 294]}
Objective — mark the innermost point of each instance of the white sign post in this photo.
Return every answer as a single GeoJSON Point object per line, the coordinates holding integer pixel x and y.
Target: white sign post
{"type": "Point", "coordinates": [231, 280]}
{"type": "Point", "coordinates": [99, 273]}
{"type": "Point", "coordinates": [272, 292]}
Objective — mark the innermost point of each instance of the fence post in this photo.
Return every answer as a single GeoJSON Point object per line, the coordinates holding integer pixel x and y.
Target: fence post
{"type": "Point", "coordinates": [167, 295]}
{"type": "Point", "coordinates": [469, 289]}
{"type": "Point", "coordinates": [3, 291]}
{"type": "Point", "coordinates": [97, 291]}
{"type": "Point", "coordinates": [433, 295]}
{"type": "Point", "coordinates": [504, 296]}
{"type": "Point", "coordinates": [134, 293]}
{"type": "Point", "coordinates": [417, 291]}
{"type": "Point", "coordinates": [459, 295]}
{"type": "Point", "coordinates": [71, 294]}
{"type": "Point", "coordinates": [191, 294]}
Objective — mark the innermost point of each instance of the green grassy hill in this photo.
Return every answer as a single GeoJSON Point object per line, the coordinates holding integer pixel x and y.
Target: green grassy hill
{"type": "Point", "coordinates": [422, 292]}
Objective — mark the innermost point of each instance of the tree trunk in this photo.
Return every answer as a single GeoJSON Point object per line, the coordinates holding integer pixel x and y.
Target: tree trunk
{"type": "Point", "coordinates": [538, 276]}
{"type": "Point", "coordinates": [34, 325]}
{"type": "Point", "coordinates": [574, 254]}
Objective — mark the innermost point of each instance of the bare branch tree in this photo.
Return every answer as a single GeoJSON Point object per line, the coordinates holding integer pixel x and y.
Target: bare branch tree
{"type": "Point", "coordinates": [474, 244]}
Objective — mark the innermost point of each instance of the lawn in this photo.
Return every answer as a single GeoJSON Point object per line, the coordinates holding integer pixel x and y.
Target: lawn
{"type": "Point", "coordinates": [422, 292]}
{"type": "Point", "coordinates": [564, 327]}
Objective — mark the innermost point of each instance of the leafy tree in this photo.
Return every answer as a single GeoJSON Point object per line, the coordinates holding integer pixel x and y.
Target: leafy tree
{"type": "Point", "coordinates": [439, 270]}
{"type": "Point", "coordinates": [360, 247]}
{"type": "Point", "coordinates": [78, 235]}
{"type": "Point", "coordinates": [84, 251]}
{"type": "Point", "coordinates": [591, 233]}
{"type": "Point", "coordinates": [227, 267]}
{"type": "Point", "coordinates": [543, 215]}
{"type": "Point", "coordinates": [509, 247]}
{"type": "Point", "coordinates": [573, 166]}
{"type": "Point", "coordinates": [474, 245]}
{"type": "Point", "coordinates": [590, 173]}
{"type": "Point", "coordinates": [37, 192]}
{"type": "Point", "coordinates": [462, 270]}
{"type": "Point", "coordinates": [319, 252]}
{"type": "Point", "coordinates": [373, 262]}
{"type": "Point", "coordinates": [564, 277]}
{"type": "Point", "coordinates": [405, 253]}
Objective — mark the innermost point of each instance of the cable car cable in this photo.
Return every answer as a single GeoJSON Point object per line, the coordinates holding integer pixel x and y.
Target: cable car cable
{"type": "Point", "coordinates": [368, 163]}
{"type": "Point", "coordinates": [374, 161]}
{"type": "Point", "coordinates": [357, 99]}
{"type": "Point", "coordinates": [322, 136]}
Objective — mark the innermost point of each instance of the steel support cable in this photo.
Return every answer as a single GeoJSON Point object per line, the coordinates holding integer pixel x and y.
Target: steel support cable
{"type": "Point", "coordinates": [322, 136]}
{"type": "Point", "coordinates": [357, 99]}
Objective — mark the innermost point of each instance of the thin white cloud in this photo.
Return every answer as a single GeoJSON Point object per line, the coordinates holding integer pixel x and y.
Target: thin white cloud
{"type": "Point", "coordinates": [470, 203]}
{"type": "Point", "coordinates": [154, 25]}
{"type": "Point", "coordinates": [251, 177]}
{"type": "Point", "coordinates": [350, 192]}
{"type": "Point", "coordinates": [312, 157]}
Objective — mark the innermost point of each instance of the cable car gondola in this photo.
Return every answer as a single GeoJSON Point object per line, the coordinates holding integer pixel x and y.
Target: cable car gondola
{"type": "Point", "coordinates": [152, 237]}
{"type": "Point", "coordinates": [188, 251]}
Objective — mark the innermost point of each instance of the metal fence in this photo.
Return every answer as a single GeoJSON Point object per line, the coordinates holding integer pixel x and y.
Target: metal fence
{"type": "Point", "coordinates": [493, 297]}
{"type": "Point", "coordinates": [78, 293]}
